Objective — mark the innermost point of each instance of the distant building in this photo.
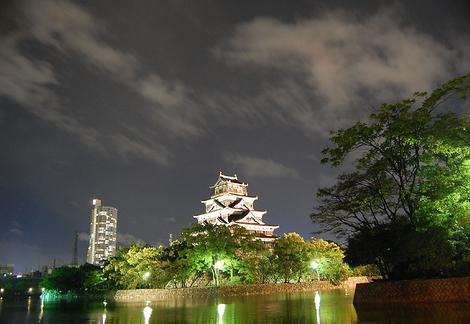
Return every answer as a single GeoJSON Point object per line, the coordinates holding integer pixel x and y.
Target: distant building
{"type": "Point", "coordinates": [6, 269]}
{"type": "Point", "coordinates": [231, 205]}
{"type": "Point", "coordinates": [46, 269]}
{"type": "Point", "coordinates": [103, 229]}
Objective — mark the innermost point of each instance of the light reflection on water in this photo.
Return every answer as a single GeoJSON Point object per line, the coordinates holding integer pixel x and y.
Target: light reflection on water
{"type": "Point", "coordinates": [313, 307]}
{"type": "Point", "coordinates": [147, 313]}
{"type": "Point", "coordinates": [317, 300]}
{"type": "Point", "coordinates": [220, 312]}
{"type": "Point", "coordinates": [41, 310]}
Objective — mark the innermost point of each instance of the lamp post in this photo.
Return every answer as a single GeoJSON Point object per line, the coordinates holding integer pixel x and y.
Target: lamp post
{"type": "Point", "coordinates": [315, 266]}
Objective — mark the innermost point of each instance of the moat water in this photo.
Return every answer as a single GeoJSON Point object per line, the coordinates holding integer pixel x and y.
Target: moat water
{"type": "Point", "coordinates": [328, 307]}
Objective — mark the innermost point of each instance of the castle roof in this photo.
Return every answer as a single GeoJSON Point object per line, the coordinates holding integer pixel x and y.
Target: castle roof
{"type": "Point", "coordinates": [224, 177]}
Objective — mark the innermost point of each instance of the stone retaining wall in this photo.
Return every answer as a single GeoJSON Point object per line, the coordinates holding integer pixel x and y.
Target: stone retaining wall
{"type": "Point", "coordinates": [414, 291]}
{"type": "Point", "coordinates": [141, 295]}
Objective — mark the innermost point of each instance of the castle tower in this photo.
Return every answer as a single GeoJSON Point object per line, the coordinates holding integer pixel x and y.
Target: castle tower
{"type": "Point", "coordinates": [231, 205]}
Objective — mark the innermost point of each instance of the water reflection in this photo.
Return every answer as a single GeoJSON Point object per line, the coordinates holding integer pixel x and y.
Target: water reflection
{"type": "Point", "coordinates": [41, 310]}
{"type": "Point", "coordinates": [29, 306]}
{"type": "Point", "coordinates": [317, 306]}
{"type": "Point", "coordinates": [310, 307]}
{"type": "Point", "coordinates": [147, 313]}
{"type": "Point", "coordinates": [220, 312]}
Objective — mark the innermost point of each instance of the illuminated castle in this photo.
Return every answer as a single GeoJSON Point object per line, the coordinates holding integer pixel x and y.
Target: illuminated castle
{"type": "Point", "coordinates": [230, 205]}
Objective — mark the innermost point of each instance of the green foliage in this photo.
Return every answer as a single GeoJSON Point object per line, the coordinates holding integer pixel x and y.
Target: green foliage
{"type": "Point", "coordinates": [293, 257]}
{"type": "Point", "coordinates": [178, 269]}
{"type": "Point", "coordinates": [235, 247]}
{"type": "Point", "coordinates": [368, 270]}
{"type": "Point", "coordinates": [255, 263]}
{"type": "Point", "coordinates": [400, 251]}
{"type": "Point", "coordinates": [330, 259]}
{"type": "Point", "coordinates": [207, 245]}
{"type": "Point", "coordinates": [205, 255]}
{"type": "Point", "coordinates": [77, 280]}
{"type": "Point", "coordinates": [291, 254]}
{"type": "Point", "coordinates": [413, 173]}
{"type": "Point", "coordinates": [136, 266]}
{"type": "Point", "coordinates": [191, 260]}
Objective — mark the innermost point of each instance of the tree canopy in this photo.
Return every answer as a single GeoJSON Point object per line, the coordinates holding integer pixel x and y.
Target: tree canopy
{"type": "Point", "coordinates": [412, 172]}
{"type": "Point", "coordinates": [207, 255]}
{"type": "Point", "coordinates": [75, 280]}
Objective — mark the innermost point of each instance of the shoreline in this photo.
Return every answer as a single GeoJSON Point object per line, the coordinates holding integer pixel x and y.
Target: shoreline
{"type": "Point", "coordinates": [456, 289]}
{"type": "Point", "coordinates": [143, 295]}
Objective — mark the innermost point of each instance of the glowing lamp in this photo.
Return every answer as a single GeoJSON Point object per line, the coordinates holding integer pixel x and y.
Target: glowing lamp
{"type": "Point", "coordinates": [146, 275]}
{"type": "Point", "coordinates": [314, 265]}
{"type": "Point", "coordinates": [219, 265]}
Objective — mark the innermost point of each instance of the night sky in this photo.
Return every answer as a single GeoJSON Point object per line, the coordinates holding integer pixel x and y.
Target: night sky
{"type": "Point", "coordinates": [142, 103]}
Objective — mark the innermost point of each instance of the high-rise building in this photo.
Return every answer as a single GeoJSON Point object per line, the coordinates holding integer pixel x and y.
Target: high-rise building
{"type": "Point", "coordinates": [231, 205]}
{"type": "Point", "coordinates": [6, 269]}
{"type": "Point", "coordinates": [103, 230]}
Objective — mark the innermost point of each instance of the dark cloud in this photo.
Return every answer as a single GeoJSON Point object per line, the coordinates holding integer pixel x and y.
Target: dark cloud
{"type": "Point", "coordinates": [348, 63]}
{"type": "Point", "coordinates": [255, 167]}
{"type": "Point", "coordinates": [16, 231]}
{"type": "Point", "coordinates": [69, 28]}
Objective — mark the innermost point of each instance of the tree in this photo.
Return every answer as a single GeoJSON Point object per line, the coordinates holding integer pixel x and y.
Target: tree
{"type": "Point", "coordinates": [229, 254]}
{"type": "Point", "coordinates": [137, 266]}
{"type": "Point", "coordinates": [413, 168]}
{"type": "Point", "coordinates": [253, 259]}
{"type": "Point", "coordinates": [211, 249]}
{"type": "Point", "coordinates": [178, 267]}
{"type": "Point", "coordinates": [400, 251]}
{"type": "Point", "coordinates": [291, 254]}
{"type": "Point", "coordinates": [76, 280]}
{"type": "Point", "coordinates": [329, 259]}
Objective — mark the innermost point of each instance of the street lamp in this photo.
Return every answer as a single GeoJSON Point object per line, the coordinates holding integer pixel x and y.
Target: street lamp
{"type": "Point", "coordinates": [2, 290]}
{"type": "Point", "coordinates": [30, 290]}
{"type": "Point", "coordinates": [219, 264]}
{"type": "Point", "coordinates": [146, 275]}
{"type": "Point", "coordinates": [315, 267]}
